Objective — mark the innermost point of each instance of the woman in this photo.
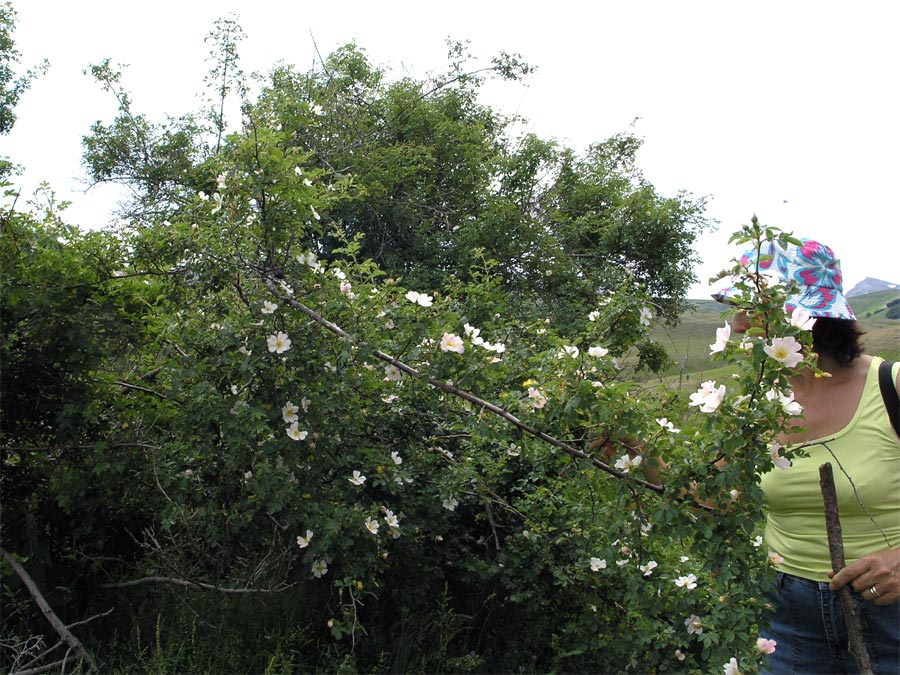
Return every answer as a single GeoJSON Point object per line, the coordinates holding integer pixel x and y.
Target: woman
{"type": "Point", "coordinates": [844, 422]}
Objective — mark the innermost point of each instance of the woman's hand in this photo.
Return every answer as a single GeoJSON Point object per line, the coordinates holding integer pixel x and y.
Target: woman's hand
{"type": "Point", "coordinates": [880, 570]}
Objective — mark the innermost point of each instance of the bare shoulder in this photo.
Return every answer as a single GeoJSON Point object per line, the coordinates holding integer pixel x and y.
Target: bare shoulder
{"type": "Point", "coordinates": [830, 402]}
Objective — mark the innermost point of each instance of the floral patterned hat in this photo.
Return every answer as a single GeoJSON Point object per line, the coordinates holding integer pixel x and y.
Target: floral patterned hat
{"type": "Point", "coordinates": [811, 264]}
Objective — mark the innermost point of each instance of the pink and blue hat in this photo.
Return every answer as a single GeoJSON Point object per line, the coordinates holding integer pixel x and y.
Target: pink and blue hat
{"type": "Point", "coordinates": [812, 265]}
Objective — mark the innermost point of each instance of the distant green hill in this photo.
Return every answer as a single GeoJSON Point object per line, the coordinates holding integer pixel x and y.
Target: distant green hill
{"type": "Point", "coordinates": [688, 342]}
{"type": "Point", "coordinates": [873, 305]}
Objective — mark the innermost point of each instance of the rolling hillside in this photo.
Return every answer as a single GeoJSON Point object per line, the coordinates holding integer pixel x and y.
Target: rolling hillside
{"type": "Point", "coordinates": [688, 343]}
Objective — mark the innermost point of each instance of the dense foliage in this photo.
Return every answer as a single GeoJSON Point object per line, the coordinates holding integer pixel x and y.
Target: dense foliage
{"type": "Point", "coordinates": [326, 400]}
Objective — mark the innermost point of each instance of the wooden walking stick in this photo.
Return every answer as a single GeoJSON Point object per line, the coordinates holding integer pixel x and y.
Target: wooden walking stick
{"type": "Point", "coordinates": [836, 549]}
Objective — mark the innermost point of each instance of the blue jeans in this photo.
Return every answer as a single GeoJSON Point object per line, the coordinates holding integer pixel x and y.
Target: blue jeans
{"type": "Point", "coordinates": [808, 625]}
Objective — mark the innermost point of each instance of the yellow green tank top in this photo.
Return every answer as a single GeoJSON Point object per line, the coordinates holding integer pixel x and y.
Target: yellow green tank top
{"type": "Point", "coordinates": [868, 451]}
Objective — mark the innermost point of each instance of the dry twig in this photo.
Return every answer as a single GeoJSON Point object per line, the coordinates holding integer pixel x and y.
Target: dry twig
{"type": "Point", "coordinates": [61, 629]}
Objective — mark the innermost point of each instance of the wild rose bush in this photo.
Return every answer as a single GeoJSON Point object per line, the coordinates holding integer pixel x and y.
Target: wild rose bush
{"type": "Point", "coordinates": [297, 453]}
{"type": "Point", "coordinates": [308, 425]}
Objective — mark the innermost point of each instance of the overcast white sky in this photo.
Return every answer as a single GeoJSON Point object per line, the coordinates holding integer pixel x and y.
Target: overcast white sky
{"type": "Point", "coordinates": [786, 109]}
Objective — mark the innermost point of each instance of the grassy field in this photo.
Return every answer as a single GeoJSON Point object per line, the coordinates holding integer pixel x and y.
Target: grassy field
{"type": "Point", "coordinates": [688, 342]}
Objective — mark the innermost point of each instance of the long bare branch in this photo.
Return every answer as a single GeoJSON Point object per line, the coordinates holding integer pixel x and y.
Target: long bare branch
{"type": "Point", "coordinates": [192, 584]}
{"type": "Point", "coordinates": [127, 385]}
{"type": "Point", "coordinates": [275, 289]}
{"type": "Point", "coordinates": [61, 629]}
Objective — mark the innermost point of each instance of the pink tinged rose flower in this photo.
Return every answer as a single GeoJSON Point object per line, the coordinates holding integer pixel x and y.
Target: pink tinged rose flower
{"type": "Point", "coordinates": [731, 668]}
{"type": "Point", "coordinates": [497, 347]}
{"type": "Point", "coordinates": [420, 299]}
{"type": "Point", "coordinates": [788, 404]}
{"type": "Point", "coordinates": [279, 343]}
{"type": "Point", "coordinates": [679, 655]}
{"type": "Point", "coordinates": [694, 625]}
{"type": "Point", "coordinates": [391, 373]}
{"type": "Point", "coordinates": [309, 259]}
{"type": "Point", "coordinates": [294, 432]}
{"type": "Point", "coordinates": [568, 350]}
{"type": "Point", "coordinates": [289, 413]}
{"type": "Point", "coordinates": [775, 453]}
{"type": "Point", "coordinates": [538, 400]}
{"type": "Point", "coordinates": [648, 568]}
{"type": "Point", "coordinates": [708, 397]}
{"type": "Point", "coordinates": [802, 319]}
{"type": "Point", "coordinates": [785, 350]}
{"type": "Point", "coordinates": [775, 558]}
{"type": "Point", "coordinates": [666, 424]}
{"type": "Point", "coordinates": [474, 334]}
{"type": "Point", "coordinates": [765, 646]}
{"type": "Point", "coordinates": [452, 343]}
{"type": "Point", "coordinates": [626, 463]}
{"type": "Point", "coordinates": [688, 581]}
{"type": "Point", "coordinates": [723, 334]}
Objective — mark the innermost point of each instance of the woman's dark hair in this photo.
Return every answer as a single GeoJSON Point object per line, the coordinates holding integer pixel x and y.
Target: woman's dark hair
{"type": "Point", "coordinates": [838, 338]}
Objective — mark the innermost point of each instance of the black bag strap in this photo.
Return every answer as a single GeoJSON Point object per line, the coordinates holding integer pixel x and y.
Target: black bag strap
{"type": "Point", "coordinates": [889, 394]}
